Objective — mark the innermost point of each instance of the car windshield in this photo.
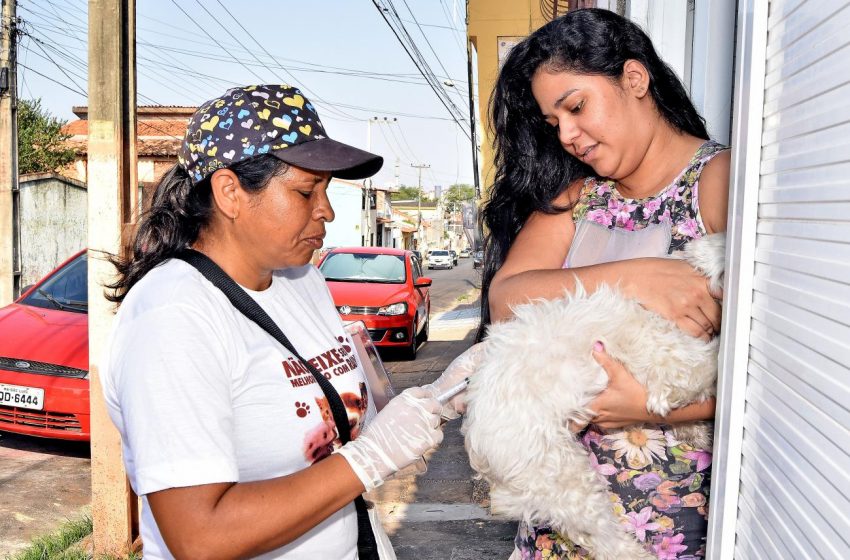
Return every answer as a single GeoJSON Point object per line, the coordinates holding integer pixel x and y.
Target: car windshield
{"type": "Point", "coordinates": [67, 289]}
{"type": "Point", "coordinates": [439, 253]}
{"type": "Point", "coordinates": [364, 267]}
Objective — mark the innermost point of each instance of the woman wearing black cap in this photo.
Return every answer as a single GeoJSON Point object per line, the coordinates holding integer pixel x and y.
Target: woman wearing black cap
{"type": "Point", "coordinates": [228, 436]}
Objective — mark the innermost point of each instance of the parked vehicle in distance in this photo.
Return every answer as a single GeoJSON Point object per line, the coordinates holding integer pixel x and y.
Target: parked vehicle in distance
{"type": "Point", "coordinates": [465, 253]}
{"type": "Point", "coordinates": [440, 258]}
{"type": "Point", "coordinates": [453, 253]}
{"type": "Point", "coordinates": [385, 289]}
{"type": "Point", "coordinates": [44, 356]}
{"type": "Point", "coordinates": [418, 255]}
{"type": "Point", "coordinates": [477, 259]}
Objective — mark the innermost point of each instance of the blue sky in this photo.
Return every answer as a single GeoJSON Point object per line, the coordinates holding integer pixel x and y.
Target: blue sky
{"type": "Point", "coordinates": [341, 52]}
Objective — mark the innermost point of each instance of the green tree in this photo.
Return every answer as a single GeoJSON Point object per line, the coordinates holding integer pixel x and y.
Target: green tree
{"type": "Point", "coordinates": [410, 193]}
{"type": "Point", "coordinates": [41, 144]}
{"type": "Point", "coordinates": [405, 193]}
{"type": "Point", "coordinates": [457, 194]}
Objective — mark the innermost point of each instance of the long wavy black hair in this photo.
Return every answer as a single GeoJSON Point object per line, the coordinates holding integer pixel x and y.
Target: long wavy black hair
{"type": "Point", "coordinates": [531, 166]}
{"type": "Point", "coordinates": [178, 213]}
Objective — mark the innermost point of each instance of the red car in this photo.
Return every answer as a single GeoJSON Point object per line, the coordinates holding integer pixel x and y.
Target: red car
{"type": "Point", "coordinates": [385, 289]}
{"type": "Point", "coordinates": [44, 356]}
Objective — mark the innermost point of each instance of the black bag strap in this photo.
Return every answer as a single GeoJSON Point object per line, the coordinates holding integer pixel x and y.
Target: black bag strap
{"type": "Point", "coordinates": [366, 546]}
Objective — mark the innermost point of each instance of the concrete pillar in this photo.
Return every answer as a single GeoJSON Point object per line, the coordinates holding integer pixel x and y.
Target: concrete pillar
{"type": "Point", "coordinates": [112, 196]}
{"type": "Point", "coordinates": [8, 155]}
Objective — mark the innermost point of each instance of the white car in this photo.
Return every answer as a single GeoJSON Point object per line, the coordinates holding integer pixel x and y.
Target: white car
{"type": "Point", "coordinates": [440, 259]}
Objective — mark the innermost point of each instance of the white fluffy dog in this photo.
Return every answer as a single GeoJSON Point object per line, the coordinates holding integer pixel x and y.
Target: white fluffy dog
{"type": "Point", "coordinates": [538, 374]}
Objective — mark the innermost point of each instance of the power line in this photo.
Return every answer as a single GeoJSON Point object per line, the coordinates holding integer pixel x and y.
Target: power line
{"type": "Point", "coordinates": [316, 97]}
{"type": "Point", "coordinates": [428, 42]}
{"type": "Point", "coordinates": [38, 44]}
{"type": "Point", "coordinates": [56, 11]}
{"type": "Point", "coordinates": [199, 26]}
{"type": "Point", "coordinates": [46, 77]}
{"type": "Point", "coordinates": [424, 63]}
{"type": "Point", "coordinates": [387, 142]}
{"type": "Point", "coordinates": [420, 63]}
{"type": "Point", "coordinates": [406, 149]}
{"type": "Point", "coordinates": [83, 66]}
{"type": "Point", "coordinates": [456, 33]}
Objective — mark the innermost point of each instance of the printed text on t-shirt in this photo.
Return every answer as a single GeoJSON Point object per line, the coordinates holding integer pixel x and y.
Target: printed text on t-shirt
{"type": "Point", "coordinates": [336, 361]}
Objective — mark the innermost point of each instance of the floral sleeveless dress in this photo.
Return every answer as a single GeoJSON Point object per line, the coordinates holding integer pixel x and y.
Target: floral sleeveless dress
{"type": "Point", "coordinates": [659, 486]}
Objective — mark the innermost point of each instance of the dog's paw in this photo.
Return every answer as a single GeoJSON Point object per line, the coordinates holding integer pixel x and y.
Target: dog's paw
{"type": "Point", "coordinates": [695, 434]}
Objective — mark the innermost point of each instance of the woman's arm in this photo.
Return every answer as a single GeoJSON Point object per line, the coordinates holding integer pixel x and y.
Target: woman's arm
{"type": "Point", "coordinates": [238, 520]}
{"type": "Point", "coordinates": [623, 402]}
{"type": "Point", "coordinates": [713, 192]}
{"type": "Point", "coordinates": [533, 269]}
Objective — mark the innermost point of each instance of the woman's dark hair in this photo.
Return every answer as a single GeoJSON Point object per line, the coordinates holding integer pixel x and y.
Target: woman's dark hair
{"type": "Point", "coordinates": [178, 212]}
{"type": "Point", "coordinates": [531, 165]}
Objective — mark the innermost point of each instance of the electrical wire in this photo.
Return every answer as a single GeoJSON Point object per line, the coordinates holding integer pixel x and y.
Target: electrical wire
{"type": "Point", "coordinates": [57, 82]}
{"type": "Point", "coordinates": [38, 44]}
{"type": "Point", "coordinates": [315, 97]}
{"type": "Point", "coordinates": [387, 142]}
{"type": "Point", "coordinates": [67, 28]}
{"type": "Point", "coordinates": [199, 26]}
{"type": "Point", "coordinates": [423, 68]}
{"type": "Point", "coordinates": [456, 34]}
{"type": "Point", "coordinates": [430, 46]}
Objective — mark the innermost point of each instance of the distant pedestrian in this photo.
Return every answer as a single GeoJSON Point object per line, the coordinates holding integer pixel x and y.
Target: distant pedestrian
{"type": "Point", "coordinates": [603, 165]}
{"type": "Point", "coordinates": [231, 438]}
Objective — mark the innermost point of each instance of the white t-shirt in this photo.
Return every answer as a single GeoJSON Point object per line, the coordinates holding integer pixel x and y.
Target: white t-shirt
{"type": "Point", "coordinates": [201, 394]}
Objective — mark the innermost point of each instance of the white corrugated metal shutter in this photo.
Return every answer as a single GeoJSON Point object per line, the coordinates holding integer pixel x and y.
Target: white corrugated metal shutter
{"type": "Point", "coordinates": [794, 478]}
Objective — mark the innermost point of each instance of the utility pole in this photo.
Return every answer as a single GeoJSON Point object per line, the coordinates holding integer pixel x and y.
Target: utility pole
{"type": "Point", "coordinates": [420, 167]}
{"type": "Point", "coordinates": [9, 265]}
{"type": "Point", "coordinates": [367, 184]}
{"type": "Point", "coordinates": [476, 180]}
{"type": "Point", "coordinates": [112, 205]}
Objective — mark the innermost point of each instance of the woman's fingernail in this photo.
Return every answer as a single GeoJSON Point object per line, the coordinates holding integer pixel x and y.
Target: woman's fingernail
{"type": "Point", "coordinates": [598, 346]}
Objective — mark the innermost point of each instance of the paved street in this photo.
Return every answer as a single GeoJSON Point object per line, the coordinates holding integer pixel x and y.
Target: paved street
{"type": "Point", "coordinates": [440, 514]}
{"type": "Point", "coordinates": [42, 484]}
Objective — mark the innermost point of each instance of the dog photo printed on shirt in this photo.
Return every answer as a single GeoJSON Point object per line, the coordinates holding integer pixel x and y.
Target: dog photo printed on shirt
{"type": "Point", "coordinates": [340, 365]}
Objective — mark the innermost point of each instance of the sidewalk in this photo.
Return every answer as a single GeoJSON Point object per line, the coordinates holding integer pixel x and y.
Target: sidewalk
{"type": "Point", "coordinates": [442, 514]}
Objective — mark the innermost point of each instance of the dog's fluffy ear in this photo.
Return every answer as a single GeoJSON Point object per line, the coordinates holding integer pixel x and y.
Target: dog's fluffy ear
{"type": "Point", "coordinates": [708, 255]}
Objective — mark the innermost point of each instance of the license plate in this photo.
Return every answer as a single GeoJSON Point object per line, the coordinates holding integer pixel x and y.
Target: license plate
{"type": "Point", "coordinates": [21, 397]}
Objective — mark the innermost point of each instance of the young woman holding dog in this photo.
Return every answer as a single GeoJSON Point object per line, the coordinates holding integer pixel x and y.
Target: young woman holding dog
{"type": "Point", "coordinates": [604, 167]}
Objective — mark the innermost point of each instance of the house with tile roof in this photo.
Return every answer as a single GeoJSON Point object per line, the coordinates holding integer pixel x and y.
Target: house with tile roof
{"type": "Point", "coordinates": [159, 129]}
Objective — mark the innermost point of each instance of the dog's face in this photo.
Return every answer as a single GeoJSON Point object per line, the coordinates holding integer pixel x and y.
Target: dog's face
{"type": "Point", "coordinates": [318, 442]}
{"type": "Point", "coordinates": [355, 405]}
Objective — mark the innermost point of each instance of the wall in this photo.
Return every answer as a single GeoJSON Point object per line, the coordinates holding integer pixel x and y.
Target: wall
{"type": "Point", "coordinates": [346, 229]}
{"type": "Point", "coordinates": [696, 37]}
{"type": "Point", "coordinates": [488, 21]}
{"type": "Point", "coordinates": [53, 222]}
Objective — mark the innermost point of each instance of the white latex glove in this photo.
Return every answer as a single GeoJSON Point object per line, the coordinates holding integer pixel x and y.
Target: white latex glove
{"type": "Point", "coordinates": [460, 369]}
{"type": "Point", "coordinates": [401, 433]}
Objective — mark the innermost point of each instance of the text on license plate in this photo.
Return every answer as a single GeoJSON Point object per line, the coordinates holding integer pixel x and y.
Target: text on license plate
{"type": "Point", "coordinates": [21, 397]}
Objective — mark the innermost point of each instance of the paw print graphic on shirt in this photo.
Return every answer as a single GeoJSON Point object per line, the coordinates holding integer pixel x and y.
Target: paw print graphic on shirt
{"type": "Point", "coordinates": [302, 409]}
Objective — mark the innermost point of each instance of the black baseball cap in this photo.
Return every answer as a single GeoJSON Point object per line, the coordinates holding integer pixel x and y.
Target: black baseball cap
{"type": "Point", "coordinates": [274, 119]}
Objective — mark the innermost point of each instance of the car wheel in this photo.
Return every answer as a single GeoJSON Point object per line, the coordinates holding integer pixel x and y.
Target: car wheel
{"type": "Point", "coordinates": [410, 351]}
{"type": "Point", "coordinates": [423, 336]}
